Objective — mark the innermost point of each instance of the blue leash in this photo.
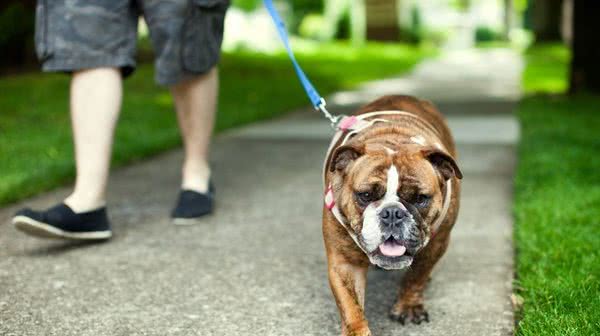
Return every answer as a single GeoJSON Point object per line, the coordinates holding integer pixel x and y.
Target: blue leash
{"type": "Point", "coordinates": [315, 98]}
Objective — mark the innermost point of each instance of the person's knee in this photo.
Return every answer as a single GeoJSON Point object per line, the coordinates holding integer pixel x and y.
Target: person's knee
{"type": "Point", "coordinates": [201, 79]}
{"type": "Point", "coordinates": [115, 71]}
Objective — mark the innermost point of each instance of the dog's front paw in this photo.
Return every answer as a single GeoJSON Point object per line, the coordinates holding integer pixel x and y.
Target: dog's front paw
{"type": "Point", "coordinates": [413, 313]}
{"type": "Point", "coordinates": [360, 332]}
{"type": "Point", "coordinates": [356, 329]}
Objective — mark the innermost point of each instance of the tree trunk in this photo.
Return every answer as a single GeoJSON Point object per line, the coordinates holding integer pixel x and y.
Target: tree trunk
{"type": "Point", "coordinates": [382, 20]}
{"type": "Point", "coordinates": [16, 33]}
{"type": "Point", "coordinates": [358, 22]}
{"type": "Point", "coordinates": [508, 18]}
{"type": "Point", "coordinates": [546, 19]}
{"type": "Point", "coordinates": [585, 61]}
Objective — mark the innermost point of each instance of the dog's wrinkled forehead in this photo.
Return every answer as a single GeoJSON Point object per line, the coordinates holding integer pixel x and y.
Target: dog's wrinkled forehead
{"type": "Point", "coordinates": [374, 168]}
{"type": "Point", "coordinates": [370, 169]}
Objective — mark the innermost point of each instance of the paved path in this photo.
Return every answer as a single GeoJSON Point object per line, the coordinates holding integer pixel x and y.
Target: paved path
{"type": "Point", "coordinates": [257, 267]}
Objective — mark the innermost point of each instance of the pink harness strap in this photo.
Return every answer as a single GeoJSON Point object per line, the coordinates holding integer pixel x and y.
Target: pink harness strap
{"type": "Point", "coordinates": [329, 199]}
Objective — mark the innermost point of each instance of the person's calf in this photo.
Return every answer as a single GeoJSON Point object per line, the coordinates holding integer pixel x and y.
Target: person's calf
{"type": "Point", "coordinates": [95, 102]}
{"type": "Point", "coordinates": [195, 102]}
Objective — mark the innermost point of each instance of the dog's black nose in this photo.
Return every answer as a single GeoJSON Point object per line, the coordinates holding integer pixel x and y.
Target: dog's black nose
{"type": "Point", "coordinates": [392, 216]}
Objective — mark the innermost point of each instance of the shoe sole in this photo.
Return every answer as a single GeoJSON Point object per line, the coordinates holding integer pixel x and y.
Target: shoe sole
{"type": "Point", "coordinates": [179, 221]}
{"type": "Point", "coordinates": [43, 230]}
{"type": "Point", "coordinates": [185, 221]}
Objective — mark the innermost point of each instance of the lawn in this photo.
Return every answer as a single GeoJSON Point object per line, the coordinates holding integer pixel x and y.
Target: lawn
{"type": "Point", "coordinates": [557, 202]}
{"type": "Point", "coordinates": [35, 137]}
{"type": "Point", "coordinates": [547, 69]}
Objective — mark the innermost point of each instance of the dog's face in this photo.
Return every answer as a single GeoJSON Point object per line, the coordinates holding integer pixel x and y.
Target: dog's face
{"type": "Point", "coordinates": [391, 198]}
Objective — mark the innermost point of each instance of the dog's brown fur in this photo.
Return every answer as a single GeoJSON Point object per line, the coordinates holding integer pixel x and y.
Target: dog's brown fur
{"type": "Point", "coordinates": [347, 264]}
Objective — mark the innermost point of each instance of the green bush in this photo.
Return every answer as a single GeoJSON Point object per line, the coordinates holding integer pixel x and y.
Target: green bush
{"type": "Point", "coordinates": [312, 26]}
{"type": "Point", "coordinates": [414, 33]}
{"type": "Point", "coordinates": [487, 34]}
{"type": "Point", "coordinates": [246, 5]}
{"type": "Point", "coordinates": [297, 8]}
{"type": "Point", "coordinates": [16, 34]}
{"type": "Point", "coordinates": [15, 22]}
{"type": "Point", "coordinates": [303, 7]}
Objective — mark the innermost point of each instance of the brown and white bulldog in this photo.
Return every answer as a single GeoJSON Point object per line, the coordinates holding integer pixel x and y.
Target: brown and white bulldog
{"type": "Point", "coordinates": [391, 199]}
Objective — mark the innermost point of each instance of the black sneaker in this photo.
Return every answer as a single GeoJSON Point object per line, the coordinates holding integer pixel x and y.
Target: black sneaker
{"type": "Point", "coordinates": [61, 222]}
{"type": "Point", "coordinates": [192, 205]}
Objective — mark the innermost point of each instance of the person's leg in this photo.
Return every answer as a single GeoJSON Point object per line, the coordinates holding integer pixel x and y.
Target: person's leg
{"type": "Point", "coordinates": [195, 101]}
{"type": "Point", "coordinates": [187, 37]}
{"type": "Point", "coordinates": [95, 105]}
{"type": "Point", "coordinates": [97, 62]}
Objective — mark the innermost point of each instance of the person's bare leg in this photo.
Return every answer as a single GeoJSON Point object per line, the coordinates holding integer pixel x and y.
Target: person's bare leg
{"type": "Point", "coordinates": [195, 102]}
{"type": "Point", "coordinates": [95, 104]}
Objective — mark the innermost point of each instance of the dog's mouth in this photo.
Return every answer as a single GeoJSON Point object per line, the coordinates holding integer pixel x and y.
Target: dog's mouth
{"type": "Point", "coordinates": [392, 254]}
{"type": "Point", "coordinates": [392, 248]}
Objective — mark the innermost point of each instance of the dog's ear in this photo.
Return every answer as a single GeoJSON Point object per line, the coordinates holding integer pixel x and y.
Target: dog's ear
{"type": "Point", "coordinates": [443, 162]}
{"type": "Point", "coordinates": [344, 155]}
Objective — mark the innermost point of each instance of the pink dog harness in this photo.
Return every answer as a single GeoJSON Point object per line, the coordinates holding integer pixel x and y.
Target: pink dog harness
{"type": "Point", "coordinates": [350, 126]}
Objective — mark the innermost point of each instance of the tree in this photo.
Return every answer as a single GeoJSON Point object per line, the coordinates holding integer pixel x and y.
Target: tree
{"type": "Point", "coordinates": [546, 19]}
{"type": "Point", "coordinates": [16, 32]}
{"type": "Point", "coordinates": [585, 61]}
{"type": "Point", "coordinates": [508, 17]}
{"type": "Point", "coordinates": [338, 10]}
{"type": "Point", "coordinates": [382, 20]}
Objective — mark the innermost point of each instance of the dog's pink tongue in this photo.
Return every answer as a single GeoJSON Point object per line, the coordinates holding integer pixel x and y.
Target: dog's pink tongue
{"type": "Point", "coordinates": [392, 249]}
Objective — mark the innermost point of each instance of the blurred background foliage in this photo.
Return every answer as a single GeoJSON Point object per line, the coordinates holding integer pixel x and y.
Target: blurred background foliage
{"type": "Point", "coordinates": [443, 24]}
{"type": "Point", "coordinates": [380, 37]}
{"type": "Point", "coordinates": [16, 33]}
{"type": "Point", "coordinates": [440, 23]}
{"type": "Point", "coordinates": [436, 22]}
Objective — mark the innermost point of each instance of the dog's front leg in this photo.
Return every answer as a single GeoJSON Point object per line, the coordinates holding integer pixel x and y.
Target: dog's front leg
{"type": "Point", "coordinates": [348, 283]}
{"type": "Point", "coordinates": [409, 305]}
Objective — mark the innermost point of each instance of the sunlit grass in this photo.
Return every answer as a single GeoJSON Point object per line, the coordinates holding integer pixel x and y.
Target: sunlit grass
{"type": "Point", "coordinates": [35, 137]}
{"type": "Point", "coordinates": [547, 68]}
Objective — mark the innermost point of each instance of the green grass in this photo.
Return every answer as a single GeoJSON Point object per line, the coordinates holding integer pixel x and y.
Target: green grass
{"type": "Point", "coordinates": [35, 137]}
{"type": "Point", "coordinates": [493, 44]}
{"type": "Point", "coordinates": [547, 68]}
{"type": "Point", "coordinates": [557, 203]}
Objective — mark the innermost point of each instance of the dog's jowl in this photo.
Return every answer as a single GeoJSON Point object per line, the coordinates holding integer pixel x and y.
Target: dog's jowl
{"type": "Point", "coordinates": [391, 199]}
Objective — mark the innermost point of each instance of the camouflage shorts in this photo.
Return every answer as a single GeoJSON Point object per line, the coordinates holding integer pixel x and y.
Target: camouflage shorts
{"type": "Point", "coordinates": [80, 34]}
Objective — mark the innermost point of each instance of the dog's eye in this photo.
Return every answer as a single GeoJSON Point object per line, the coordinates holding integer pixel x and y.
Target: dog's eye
{"type": "Point", "coordinates": [422, 200]}
{"type": "Point", "coordinates": [365, 197]}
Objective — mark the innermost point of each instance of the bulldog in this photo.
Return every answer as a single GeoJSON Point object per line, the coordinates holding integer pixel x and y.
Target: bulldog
{"type": "Point", "coordinates": [391, 200]}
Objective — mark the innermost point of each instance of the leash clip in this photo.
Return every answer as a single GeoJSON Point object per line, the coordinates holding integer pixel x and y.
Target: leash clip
{"type": "Point", "coordinates": [334, 120]}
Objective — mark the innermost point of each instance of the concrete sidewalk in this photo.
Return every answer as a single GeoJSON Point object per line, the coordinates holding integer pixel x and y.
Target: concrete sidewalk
{"type": "Point", "coordinates": [257, 267]}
